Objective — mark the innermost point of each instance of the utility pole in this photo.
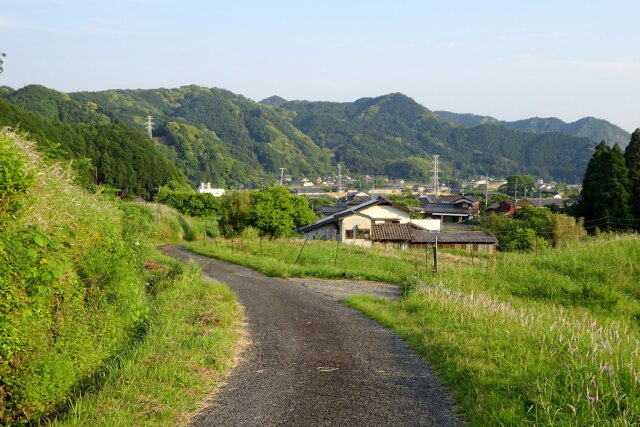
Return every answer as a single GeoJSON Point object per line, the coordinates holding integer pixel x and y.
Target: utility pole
{"type": "Point", "coordinates": [515, 193]}
{"type": "Point", "coordinates": [436, 183]}
{"type": "Point", "coordinates": [282, 175]}
{"type": "Point", "coordinates": [486, 192]}
{"type": "Point", "coordinates": [339, 177]}
{"type": "Point", "coordinates": [149, 126]}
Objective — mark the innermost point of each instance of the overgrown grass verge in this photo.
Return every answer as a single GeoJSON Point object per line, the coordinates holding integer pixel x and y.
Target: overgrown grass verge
{"type": "Point", "coordinates": [322, 259]}
{"type": "Point", "coordinates": [85, 302]}
{"type": "Point", "coordinates": [546, 338]}
{"type": "Point", "coordinates": [188, 347]}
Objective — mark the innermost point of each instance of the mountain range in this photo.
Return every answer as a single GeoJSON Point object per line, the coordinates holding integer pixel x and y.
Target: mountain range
{"type": "Point", "coordinates": [588, 127]}
{"type": "Point", "coordinates": [216, 136]}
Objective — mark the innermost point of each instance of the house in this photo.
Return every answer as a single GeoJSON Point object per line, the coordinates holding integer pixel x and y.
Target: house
{"type": "Point", "coordinates": [508, 207]}
{"type": "Point", "coordinates": [450, 208]}
{"type": "Point", "coordinates": [206, 188]}
{"type": "Point", "coordinates": [351, 199]}
{"type": "Point", "coordinates": [548, 202]}
{"type": "Point", "coordinates": [398, 236]}
{"type": "Point", "coordinates": [354, 224]}
{"type": "Point", "coordinates": [475, 241]}
{"type": "Point", "coordinates": [309, 192]}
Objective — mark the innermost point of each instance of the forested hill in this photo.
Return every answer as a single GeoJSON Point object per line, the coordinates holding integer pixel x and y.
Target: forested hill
{"type": "Point", "coordinates": [393, 133]}
{"type": "Point", "coordinates": [216, 136]}
{"type": "Point", "coordinates": [589, 127]}
{"type": "Point", "coordinates": [103, 154]}
{"type": "Point", "coordinates": [220, 137]}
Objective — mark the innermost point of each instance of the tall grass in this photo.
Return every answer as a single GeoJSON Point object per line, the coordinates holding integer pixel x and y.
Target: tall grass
{"type": "Point", "coordinates": [88, 307]}
{"type": "Point", "coordinates": [545, 338]}
{"type": "Point", "coordinates": [186, 351]}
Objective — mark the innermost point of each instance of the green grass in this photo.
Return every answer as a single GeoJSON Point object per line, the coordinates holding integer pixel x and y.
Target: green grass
{"type": "Point", "coordinates": [186, 351]}
{"type": "Point", "coordinates": [94, 323]}
{"type": "Point", "coordinates": [547, 338]}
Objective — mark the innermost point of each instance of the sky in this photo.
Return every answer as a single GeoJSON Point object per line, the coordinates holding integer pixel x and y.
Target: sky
{"type": "Point", "coordinates": [507, 59]}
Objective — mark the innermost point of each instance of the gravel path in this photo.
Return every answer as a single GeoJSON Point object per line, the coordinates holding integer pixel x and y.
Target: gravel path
{"type": "Point", "coordinates": [313, 362]}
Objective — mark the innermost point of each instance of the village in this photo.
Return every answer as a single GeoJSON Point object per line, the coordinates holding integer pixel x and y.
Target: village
{"type": "Point", "coordinates": [398, 214]}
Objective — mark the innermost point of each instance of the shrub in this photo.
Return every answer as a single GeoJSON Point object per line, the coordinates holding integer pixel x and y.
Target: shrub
{"type": "Point", "coordinates": [15, 180]}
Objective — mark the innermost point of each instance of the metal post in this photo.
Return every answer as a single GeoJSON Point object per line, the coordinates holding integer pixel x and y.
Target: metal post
{"type": "Point", "coordinates": [435, 256]}
{"type": "Point", "coordinates": [301, 249]}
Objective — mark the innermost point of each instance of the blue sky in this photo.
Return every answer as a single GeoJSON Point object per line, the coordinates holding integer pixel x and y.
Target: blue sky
{"type": "Point", "coordinates": [507, 59]}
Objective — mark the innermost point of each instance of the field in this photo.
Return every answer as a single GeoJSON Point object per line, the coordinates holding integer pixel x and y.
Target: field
{"type": "Point", "coordinates": [545, 338]}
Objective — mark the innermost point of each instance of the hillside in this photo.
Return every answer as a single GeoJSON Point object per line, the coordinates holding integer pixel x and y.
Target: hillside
{"type": "Point", "coordinates": [88, 312]}
{"type": "Point", "coordinates": [275, 101]}
{"type": "Point", "coordinates": [588, 127]}
{"type": "Point", "coordinates": [217, 136]}
{"type": "Point", "coordinates": [379, 134]}
{"type": "Point", "coordinates": [104, 153]}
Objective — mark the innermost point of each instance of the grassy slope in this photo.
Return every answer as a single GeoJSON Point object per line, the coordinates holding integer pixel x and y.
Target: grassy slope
{"type": "Point", "coordinates": [105, 334]}
{"type": "Point", "coordinates": [184, 355]}
{"type": "Point", "coordinates": [550, 338]}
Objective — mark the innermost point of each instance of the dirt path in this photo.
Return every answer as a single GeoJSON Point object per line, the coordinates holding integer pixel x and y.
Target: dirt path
{"type": "Point", "coordinates": [312, 361]}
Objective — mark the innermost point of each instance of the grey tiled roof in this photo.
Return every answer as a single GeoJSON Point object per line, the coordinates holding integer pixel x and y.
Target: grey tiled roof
{"type": "Point", "coordinates": [391, 232]}
{"type": "Point", "coordinates": [454, 237]}
{"type": "Point", "coordinates": [445, 208]}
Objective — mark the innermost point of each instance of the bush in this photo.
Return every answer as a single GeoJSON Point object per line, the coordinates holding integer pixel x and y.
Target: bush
{"type": "Point", "coordinates": [188, 202]}
{"type": "Point", "coordinates": [15, 180]}
{"type": "Point", "coordinates": [72, 292]}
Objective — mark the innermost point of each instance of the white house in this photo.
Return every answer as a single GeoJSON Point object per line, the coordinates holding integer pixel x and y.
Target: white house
{"type": "Point", "coordinates": [354, 225]}
{"type": "Point", "coordinates": [206, 188]}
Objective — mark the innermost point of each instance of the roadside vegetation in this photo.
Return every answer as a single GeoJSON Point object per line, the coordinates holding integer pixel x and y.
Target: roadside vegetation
{"type": "Point", "coordinates": [96, 327]}
{"type": "Point", "coordinates": [549, 337]}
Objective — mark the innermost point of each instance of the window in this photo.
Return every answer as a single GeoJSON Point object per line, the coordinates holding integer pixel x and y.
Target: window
{"type": "Point", "coordinates": [357, 233]}
{"type": "Point", "coordinates": [363, 233]}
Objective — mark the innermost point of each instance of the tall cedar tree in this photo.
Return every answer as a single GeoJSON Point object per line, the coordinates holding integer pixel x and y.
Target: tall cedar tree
{"type": "Point", "coordinates": [632, 157]}
{"type": "Point", "coordinates": [605, 188]}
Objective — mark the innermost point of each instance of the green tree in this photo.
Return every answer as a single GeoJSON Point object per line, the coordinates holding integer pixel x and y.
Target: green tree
{"type": "Point", "coordinates": [519, 184]}
{"type": "Point", "coordinates": [2, 55]}
{"type": "Point", "coordinates": [605, 188]}
{"type": "Point", "coordinates": [498, 197]}
{"type": "Point", "coordinates": [408, 200]}
{"type": "Point", "coordinates": [539, 220]}
{"type": "Point", "coordinates": [275, 212]}
{"type": "Point", "coordinates": [189, 202]}
{"type": "Point", "coordinates": [235, 211]}
{"type": "Point", "coordinates": [632, 159]}
{"type": "Point", "coordinates": [512, 234]}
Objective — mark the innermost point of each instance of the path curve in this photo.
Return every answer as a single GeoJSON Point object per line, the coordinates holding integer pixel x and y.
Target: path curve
{"type": "Point", "coordinates": [314, 362]}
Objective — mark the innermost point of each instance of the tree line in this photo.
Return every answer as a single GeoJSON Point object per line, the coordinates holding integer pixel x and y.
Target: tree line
{"type": "Point", "coordinates": [273, 211]}
{"type": "Point", "coordinates": [610, 193]}
{"type": "Point", "coordinates": [111, 155]}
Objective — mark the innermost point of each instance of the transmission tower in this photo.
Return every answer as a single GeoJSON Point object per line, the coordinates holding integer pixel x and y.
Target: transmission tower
{"type": "Point", "coordinates": [281, 175]}
{"type": "Point", "coordinates": [436, 171]}
{"type": "Point", "coordinates": [149, 126]}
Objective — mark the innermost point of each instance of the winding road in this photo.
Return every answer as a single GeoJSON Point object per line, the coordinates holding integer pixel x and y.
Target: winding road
{"type": "Point", "coordinates": [312, 361]}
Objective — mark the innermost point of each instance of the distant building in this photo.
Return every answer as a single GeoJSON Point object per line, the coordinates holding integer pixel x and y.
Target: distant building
{"type": "Point", "coordinates": [450, 209]}
{"type": "Point", "coordinates": [206, 188]}
{"type": "Point", "coordinates": [508, 207]}
{"type": "Point", "coordinates": [354, 225]}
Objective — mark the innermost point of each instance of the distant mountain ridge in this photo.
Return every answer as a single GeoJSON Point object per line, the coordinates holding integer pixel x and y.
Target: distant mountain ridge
{"type": "Point", "coordinates": [213, 135]}
{"type": "Point", "coordinates": [589, 127]}
{"type": "Point", "coordinates": [274, 100]}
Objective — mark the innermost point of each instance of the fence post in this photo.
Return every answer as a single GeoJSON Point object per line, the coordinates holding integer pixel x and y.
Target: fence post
{"type": "Point", "coordinates": [301, 249]}
{"type": "Point", "coordinates": [435, 256]}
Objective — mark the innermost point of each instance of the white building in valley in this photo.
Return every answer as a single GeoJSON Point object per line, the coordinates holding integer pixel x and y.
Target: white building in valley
{"type": "Point", "coordinates": [206, 188]}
